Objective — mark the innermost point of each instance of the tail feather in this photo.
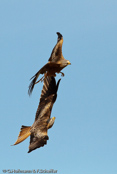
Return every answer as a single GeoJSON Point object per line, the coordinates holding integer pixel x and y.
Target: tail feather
{"type": "Point", "coordinates": [24, 133]}
{"type": "Point", "coordinates": [35, 77]}
{"type": "Point", "coordinates": [31, 86]}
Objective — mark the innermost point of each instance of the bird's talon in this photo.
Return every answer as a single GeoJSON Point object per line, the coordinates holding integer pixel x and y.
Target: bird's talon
{"type": "Point", "coordinates": [62, 74]}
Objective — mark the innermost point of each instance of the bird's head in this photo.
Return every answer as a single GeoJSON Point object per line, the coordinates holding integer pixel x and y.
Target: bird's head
{"type": "Point", "coordinates": [64, 63]}
{"type": "Point", "coordinates": [53, 118]}
{"type": "Point", "coordinates": [68, 62]}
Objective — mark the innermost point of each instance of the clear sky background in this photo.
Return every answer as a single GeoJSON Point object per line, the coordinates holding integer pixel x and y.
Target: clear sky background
{"type": "Point", "coordinates": [83, 139]}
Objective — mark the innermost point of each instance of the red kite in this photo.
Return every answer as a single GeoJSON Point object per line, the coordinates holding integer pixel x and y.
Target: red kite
{"type": "Point", "coordinates": [55, 64]}
{"type": "Point", "coordinates": [43, 122]}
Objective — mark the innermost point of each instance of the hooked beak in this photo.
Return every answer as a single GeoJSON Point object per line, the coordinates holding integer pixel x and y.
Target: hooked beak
{"type": "Point", "coordinates": [68, 62]}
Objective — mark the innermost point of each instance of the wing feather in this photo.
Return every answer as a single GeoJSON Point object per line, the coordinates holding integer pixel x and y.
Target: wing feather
{"type": "Point", "coordinates": [56, 54]}
{"type": "Point", "coordinates": [39, 137]}
{"type": "Point", "coordinates": [48, 94]}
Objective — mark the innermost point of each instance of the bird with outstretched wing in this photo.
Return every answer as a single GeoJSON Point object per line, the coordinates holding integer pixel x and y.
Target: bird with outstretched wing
{"type": "Point", "coordinates": [55, 64]}
{"type": "Point", "coordinates": [38, 131]}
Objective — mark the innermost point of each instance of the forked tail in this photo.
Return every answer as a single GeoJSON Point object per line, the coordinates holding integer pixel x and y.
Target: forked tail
{"type": "Point", "coordinates": [24, 133]}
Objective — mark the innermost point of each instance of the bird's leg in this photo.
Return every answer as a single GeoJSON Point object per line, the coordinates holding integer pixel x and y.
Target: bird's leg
{"type": "Point", "coordinates": [62, 74]}
{"type": "Point", "coordinates": [45, 75]}
{"type": "Point", "coordinates": [40, 80]}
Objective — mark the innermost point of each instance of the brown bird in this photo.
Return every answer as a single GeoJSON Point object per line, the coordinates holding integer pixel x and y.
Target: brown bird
{"type": "Point", "coordinates": [55, 64]}
{"type": "Point", "coordinates": [43, 122]}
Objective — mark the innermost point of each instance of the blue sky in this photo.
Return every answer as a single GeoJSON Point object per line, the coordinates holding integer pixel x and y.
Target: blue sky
{"type": "Point", "coordinates": [84, 137]}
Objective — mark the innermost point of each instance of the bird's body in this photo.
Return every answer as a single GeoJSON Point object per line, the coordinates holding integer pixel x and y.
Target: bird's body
{"type": "Point", "coordinates": [38, 131]}
{"type": "Point", "coordinates": [55, 64]}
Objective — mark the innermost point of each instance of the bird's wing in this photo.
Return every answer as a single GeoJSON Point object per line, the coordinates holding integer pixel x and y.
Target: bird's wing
{"type": "Point", "coordinates": [39, 137]}
{"type": "Point", "coordinates": [37, 142]}
{"type": "Point", "coordinates": [48, 94]}
{"type": "Point", "coordinates": [56, 54]}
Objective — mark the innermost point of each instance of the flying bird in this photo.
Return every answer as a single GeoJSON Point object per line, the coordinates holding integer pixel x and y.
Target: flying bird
{"type": "Point", "coordinates": [38, 131]}
{"type": "Point", "coordinates": [55, 64]}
